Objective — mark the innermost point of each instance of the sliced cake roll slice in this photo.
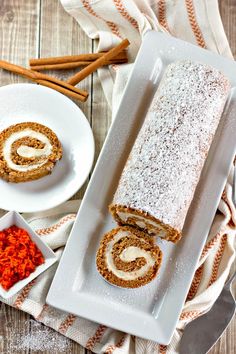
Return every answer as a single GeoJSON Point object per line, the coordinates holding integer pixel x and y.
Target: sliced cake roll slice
{"type": "Point", "coordinates": [28, 151]}
{"type": "Point", "coordinates": [128, 258]}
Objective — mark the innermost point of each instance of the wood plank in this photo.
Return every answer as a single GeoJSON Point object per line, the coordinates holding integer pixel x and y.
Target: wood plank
{"type": "Point", "coordinates": [228, 14]}
{"type": "Point", "coordinates": [44, 340]}
{"type": "Point", "coordinates": [12, 323]}
{"type": "Point", "coordinates": [18, 37]}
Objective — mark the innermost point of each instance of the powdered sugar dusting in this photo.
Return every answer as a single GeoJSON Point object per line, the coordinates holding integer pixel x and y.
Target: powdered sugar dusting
{"type": "Point", "coordinates": [165, 163]}
{"type": "Point", "coordinates": [40, 339]}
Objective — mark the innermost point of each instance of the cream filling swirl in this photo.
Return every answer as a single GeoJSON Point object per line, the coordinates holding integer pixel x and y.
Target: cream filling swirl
{"type": "Point", "coordinates": [26, 151]}
{"type": "Point", "coordinates": [143, 223]}
{"type": "Point", "coordinates": [129, 254]}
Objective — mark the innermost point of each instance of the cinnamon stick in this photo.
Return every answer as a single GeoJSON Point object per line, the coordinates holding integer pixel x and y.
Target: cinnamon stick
{"type": "Point", "coordinates": [72, 65]}
{"type": "Point", "coordinates": [98, 63]}
{"type": "Point", "coordinates": [74, 58]}
{"type": "Point", "coordinates": [46, 80]}
{"type": "Point", "coordinates": [62, 90]}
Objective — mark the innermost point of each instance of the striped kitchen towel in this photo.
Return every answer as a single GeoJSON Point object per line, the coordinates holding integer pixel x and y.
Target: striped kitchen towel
{"type": "Point", "coordinates": [197, 21]}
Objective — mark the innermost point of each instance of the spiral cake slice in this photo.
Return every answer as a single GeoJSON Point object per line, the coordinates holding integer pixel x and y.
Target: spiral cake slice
{"type": "Point", "coordinates": [28, 151]}
{"type": "Point", "coordinates": [128, 258]}
{"type": "Point", "coordinates": [160, 177]}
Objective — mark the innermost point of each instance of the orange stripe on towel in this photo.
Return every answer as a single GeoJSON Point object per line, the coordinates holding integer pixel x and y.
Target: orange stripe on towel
{"type": "Point", "coordinates": [194, 25]}
{"type": "Point", "coordinates": [70, 319]}
{"type": "Point", "coordinates": [162, 14]}
{"type": "Point", "coordinates": [113, 27]}
{"type": "Point", "coordinates": [48, 230]}
{"type": "Point", "coordinates": [42, 313]}
{"type": "Point", "coordinates": [162, 349]}
{"type": "Point", "coordinates": [195, 283]}
{"type": "Point", "coordinates": [122, 10]}
{"type": "Point", "coordinates": [23, 294]}
{"type": "Point", "coordinates": [190, 315]}
{"type": "Point", "coordinates": [210, 245]}
{"type": "Point", "coordinates": [217, 260]}
{"type": "Point", "coordinates": [96, 337]}
{"type": "Point", "coordinates": [110, 349]}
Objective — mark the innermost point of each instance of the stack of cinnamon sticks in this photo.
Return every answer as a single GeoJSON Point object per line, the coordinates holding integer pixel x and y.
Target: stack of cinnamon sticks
{"type": "Point", "coordinates": [90, 62]}
{"type": "Point", "coordinates": [74, 61]}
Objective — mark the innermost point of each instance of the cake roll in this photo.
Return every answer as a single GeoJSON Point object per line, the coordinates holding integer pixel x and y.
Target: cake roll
{"type": "Point", "coordinates": [28, 151]}
{"type": "Point", "coordinates": [161, 174]}
{"type": "Point", "coordinates": [128, 258]}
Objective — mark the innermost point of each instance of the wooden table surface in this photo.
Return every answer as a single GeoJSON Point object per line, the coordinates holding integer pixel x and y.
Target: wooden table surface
{"type": "Point", "coordinates": [35, 28]}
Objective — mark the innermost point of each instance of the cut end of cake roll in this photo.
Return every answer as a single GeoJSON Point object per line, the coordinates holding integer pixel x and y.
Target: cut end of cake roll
{"type": "Point", "coordinates": [128, 258]}
{"type": "Point", "coordinates": [28, 151]}
{"type": "Point", "coordinates": [124, 215]}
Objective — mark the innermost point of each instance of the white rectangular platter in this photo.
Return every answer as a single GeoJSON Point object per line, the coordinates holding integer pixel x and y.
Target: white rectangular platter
{"type": "Point", "coordinates": [152, 311]}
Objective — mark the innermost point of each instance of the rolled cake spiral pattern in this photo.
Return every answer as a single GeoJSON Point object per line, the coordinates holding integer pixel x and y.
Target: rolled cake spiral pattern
{"type": "Point", "coordinates": [28, 151]}
{"type": "Point", "coordinates": [161, 174]}
{"type": "Point", "coordinates": [128, 258]}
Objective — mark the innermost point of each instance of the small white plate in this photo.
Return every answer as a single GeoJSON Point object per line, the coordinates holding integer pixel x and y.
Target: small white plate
{"type": "Point", "coordinates": [151, 311]}
{"type": "Point", "coordinates": [34, 103]}
{"type": "Point", "coordinates": [13, 218]}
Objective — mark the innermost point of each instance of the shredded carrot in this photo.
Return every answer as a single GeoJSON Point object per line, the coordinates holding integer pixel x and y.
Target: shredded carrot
{"type": "Point", "coordinates": [19, 256]}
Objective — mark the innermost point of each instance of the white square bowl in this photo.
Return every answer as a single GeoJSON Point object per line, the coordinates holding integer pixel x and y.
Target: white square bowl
{"type": "Point", "coordinates": [14, 218]}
